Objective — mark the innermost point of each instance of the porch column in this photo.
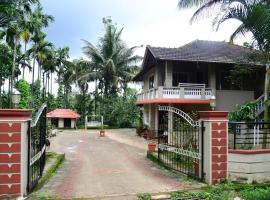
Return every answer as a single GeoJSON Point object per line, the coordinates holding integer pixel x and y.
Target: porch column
{"type": "Point", "coordinates": [168, 74]}
{"type": "Point", "coordinates": [212, 77]}
{"type": "Point", "coordinates": [156, 117]}
{"type": "Point", "coordinates": [13, 152]}
{"type": "Point", "coordinates": [215, 145]}
{"type": "Point", "coordinates": [170, 126]}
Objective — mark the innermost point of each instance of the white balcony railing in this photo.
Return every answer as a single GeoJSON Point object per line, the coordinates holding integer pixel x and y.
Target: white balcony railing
{"type": "Point", "coordinates": [184, 91]}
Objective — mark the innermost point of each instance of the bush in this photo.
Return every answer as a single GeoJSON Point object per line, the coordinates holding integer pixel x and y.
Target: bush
{"type": "Point", "coordinates": [243, 113]}
{"type": "Point", "coordinates": [24, 88]}
{"type": "Point", "coordinates": [252, 193]}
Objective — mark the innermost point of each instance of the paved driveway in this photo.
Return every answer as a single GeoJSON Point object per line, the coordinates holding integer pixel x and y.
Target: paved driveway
{"type": "Point", "coordinates": [114, 167]}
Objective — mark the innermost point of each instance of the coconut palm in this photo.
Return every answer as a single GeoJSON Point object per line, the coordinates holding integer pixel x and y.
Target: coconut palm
{"type": "Point", "coordinates": [254, 17]}
{"type": "Point", "coordinates": [111, 62]}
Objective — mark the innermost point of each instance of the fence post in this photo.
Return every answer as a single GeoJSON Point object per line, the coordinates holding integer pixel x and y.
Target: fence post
{"type": "Point", "coordinates": [215, 145]}
{"type": "Point", "coordinates": [13, 152]}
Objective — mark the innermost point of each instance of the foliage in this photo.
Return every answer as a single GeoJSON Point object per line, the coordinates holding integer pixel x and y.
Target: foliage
{"type": "Point", "coordinates": [112, 63]}
{"type": "Point", "coordinates": [144, 196]}
{"type": "Point", "coordinates": [24, 89]}
{"type": "Point", "coordinates": [251, 193]}
{"type": "Point", "coordinates": [121, 111]}
{"type": "Point", "coordinates": [83, 105]}
{"type": "Point", "coordinates": [243, 113]}
{"type": "Point", "coordinates": [37, 98]}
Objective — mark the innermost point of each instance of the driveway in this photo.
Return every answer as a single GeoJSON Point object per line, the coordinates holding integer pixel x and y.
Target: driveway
{"type": "Point", "coordinates": [114, 167]}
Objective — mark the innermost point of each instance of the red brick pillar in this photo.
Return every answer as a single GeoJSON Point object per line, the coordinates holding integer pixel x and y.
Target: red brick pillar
{"type": "Point", "coordinates": [13, 152]}
{"type": "Point", "coordinates": [215, 145]}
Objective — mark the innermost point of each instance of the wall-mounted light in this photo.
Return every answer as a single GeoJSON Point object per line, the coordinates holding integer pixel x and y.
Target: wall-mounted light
{"type": "Point", "coordinates": [213, 102]}
{"type": "Point", "coordinates": [16, 97]}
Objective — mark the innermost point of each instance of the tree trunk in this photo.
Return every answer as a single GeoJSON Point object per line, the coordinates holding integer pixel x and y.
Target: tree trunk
{"type": "Point", "coordinates": [51, 81]}
{"type": "Point", "coordinates": [33, 78]}
{"type": "Point", "coordinates": [266, 99]}
{"type": "Point", "coordinates": [24, 59]}
{"type": "Point", "coordinates": [12, 72]}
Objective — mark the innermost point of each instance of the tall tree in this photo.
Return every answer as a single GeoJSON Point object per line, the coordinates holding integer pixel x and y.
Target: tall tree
{"type": "Point", "coordinates": [111, 62]}
{"type": "Point", "coordinates": [254, 17]}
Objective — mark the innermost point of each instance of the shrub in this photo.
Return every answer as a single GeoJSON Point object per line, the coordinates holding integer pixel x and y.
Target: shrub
{"type": "Point", "coordinates": [24, 88]}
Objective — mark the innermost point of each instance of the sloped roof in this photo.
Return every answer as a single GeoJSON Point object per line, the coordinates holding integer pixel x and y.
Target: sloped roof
{"type": "Point", "coordinates": [199, 51]}
{"type": "Point", "coordinates": [63, 113]}
{"type": "Point", "coordinates": [204, 51]}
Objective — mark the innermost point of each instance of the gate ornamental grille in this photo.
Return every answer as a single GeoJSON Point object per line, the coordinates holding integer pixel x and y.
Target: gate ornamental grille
{"type": "Point", "coordinates": [36, 148]}
{"type": "Point", "coordinates": [180, 141]}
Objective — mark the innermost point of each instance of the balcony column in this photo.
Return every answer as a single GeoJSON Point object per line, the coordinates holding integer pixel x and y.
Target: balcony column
{"type": "Point", "coordinates": [168, 74]}
{"type": "Point", "coordinates": [203, 93]}
{"type": "Point", "coordinates": [212, 77]}
{"type": "Point", "coordinates": [160, 92]}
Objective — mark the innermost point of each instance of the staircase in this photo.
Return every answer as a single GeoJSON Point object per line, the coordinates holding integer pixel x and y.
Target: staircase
{"type": "Point", "coordinates": [259, 107]}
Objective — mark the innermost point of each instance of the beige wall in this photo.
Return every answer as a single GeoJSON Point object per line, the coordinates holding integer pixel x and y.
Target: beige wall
{"type": "Point", "coordinates": [249, 167]}
{"type": "Point", "coordinates": [24, 157]}
{"type": "Point", "coordinates": [146, 78]}
{"type": "Point", "coordinates": [61, 123]}
{"type": "Point", "coordinates": [228, 99]}
{"type": "Point", "coordinates": [72, 123]}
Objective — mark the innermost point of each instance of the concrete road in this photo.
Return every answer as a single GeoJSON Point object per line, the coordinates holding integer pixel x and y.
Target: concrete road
{"type": "Point", "coordinates": [114, 167]}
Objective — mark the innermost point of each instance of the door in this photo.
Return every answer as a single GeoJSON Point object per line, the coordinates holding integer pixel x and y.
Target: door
{"type": "Point", "coordinates": [67, 123]}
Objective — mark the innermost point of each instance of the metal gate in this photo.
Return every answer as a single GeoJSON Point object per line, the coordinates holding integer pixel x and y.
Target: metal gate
{"type": "Point", "coordinates": [180, 142]}
{"type": "Point", "coordinates": [36, 148]}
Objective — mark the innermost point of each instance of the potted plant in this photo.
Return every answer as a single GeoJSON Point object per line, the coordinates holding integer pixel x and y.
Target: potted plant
{"type": "Point", "coordinates": [152, 147]}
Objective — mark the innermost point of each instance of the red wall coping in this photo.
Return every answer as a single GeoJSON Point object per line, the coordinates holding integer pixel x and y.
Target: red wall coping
{"type": "Point", "coordinates": [213, 115]}
{"type": "Point", "coordinates": [15, 114]}
{"type": "Point", "coordinates": [174, 101]}
{"type": "Point", "coordinates": [257, 151]}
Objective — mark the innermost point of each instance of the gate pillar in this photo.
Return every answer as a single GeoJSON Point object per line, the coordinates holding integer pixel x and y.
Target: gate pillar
{"type": "Point", "coordinates": [13, 152]}
{"type": "Point", "coordinates": [214, 145]}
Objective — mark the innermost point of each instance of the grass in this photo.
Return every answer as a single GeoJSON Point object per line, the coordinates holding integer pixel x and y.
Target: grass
{"type": "Point", "coordinates": [58, 161]}
{"type": "Point", "coordinates": [224, 191]}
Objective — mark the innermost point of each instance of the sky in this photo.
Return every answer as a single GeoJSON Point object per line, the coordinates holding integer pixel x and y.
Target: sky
{"type": "Point", "coordinates": [146, 22]}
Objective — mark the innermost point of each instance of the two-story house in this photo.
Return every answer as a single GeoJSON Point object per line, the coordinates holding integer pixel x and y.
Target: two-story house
{"type": "Point", "coordinates": [193, 76]}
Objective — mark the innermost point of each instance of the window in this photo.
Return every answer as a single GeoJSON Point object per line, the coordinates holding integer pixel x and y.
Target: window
{"type": "Point", "coordinates": [180, 77]}
{"type": "Point", "coordinates": [151, 82]}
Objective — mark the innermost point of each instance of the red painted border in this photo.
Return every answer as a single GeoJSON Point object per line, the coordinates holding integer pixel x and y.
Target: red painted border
{"type": "Point", "coordinates": [213, 115]}
{"type": "Point", "coordinates": [15, 114]}
{"type": "Point", "coordinates": [174, 101]}
{"type": "Point", "coordinates": [258, 151]}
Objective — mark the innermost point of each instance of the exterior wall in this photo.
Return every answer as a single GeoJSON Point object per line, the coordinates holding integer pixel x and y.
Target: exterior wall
{"type": "Point", "coordinates": [146, 78]}
{"type": "Point", "coordinates": [228, 99]}
{"type": "Point", "coordinates": [249, 167]}
{"type": "Point", "coordinates": [72, 123]}
{"type": "Point", "coordinates": [10, 156]}
{"type": "Point", "coordinates": [13, 152]}
{"type": "Point", "coordinates": [215, 138]}
{"type": "Point", "coordinates": [61, 123]}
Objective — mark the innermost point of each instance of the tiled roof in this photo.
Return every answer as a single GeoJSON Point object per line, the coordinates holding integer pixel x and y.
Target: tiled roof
{"type": "Point", "coordinates": [204, 51]}
{"type": "Point", "coordinates": [199, 51]}
{"type": "Point", "coordinates": [63, 113]}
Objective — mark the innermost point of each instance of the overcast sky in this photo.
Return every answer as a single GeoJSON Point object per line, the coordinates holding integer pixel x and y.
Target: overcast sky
{"type": "Point", "coordinates": [147, 22]}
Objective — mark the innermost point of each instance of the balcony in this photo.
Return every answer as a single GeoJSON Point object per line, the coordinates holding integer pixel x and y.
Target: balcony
{"type": "Point", "coordinates": [185, 91]}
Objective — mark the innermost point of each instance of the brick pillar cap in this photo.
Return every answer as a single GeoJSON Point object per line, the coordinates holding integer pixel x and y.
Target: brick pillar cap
{"type": "Point", "coordinates": [15, 114]}
{"type": "Point", "coordinates": [213, 115]}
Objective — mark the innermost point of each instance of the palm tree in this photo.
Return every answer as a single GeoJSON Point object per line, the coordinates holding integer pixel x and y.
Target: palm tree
{"type": "Point", "coordinates": [254, 17]}
{"type": "Point", "coordinates": [38, 21]}
{"type": "Point", "coordinates": [111, 62]}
